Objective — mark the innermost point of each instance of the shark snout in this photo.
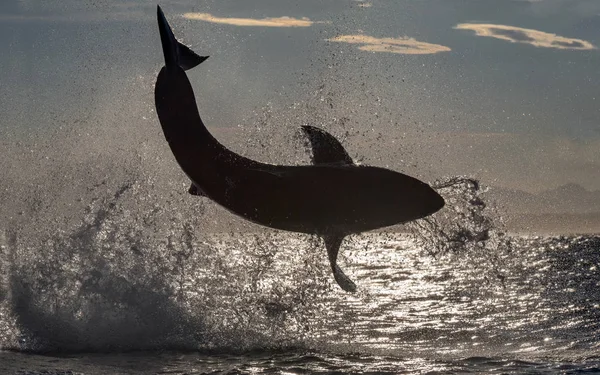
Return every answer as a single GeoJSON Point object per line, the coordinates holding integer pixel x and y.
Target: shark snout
{"type": "Point", "coordinates": [435, 201]}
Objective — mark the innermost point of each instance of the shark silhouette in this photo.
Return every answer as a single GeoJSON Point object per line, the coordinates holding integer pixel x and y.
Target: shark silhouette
{"type": "Point", "coordinates": [331, 198]}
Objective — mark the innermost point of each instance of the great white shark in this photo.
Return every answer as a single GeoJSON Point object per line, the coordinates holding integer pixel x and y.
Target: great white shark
{"type": "Point", "coordinates": [331, 198]}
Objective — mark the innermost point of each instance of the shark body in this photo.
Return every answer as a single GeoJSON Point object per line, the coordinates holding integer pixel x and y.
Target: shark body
{"type": "Point", "coordinates": [331, 198]}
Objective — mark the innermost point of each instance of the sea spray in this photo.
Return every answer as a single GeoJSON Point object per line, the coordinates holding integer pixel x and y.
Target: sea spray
{"type": "Point", "coordinates": [137, 274]}
{"type": "Point", "coordinates": [467, 229]}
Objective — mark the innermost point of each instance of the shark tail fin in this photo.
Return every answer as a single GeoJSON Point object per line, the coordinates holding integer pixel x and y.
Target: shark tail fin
{"type": "Point", "coordinates": [174, 52]}
{"type": "Point", "coordinates": [188, 58]}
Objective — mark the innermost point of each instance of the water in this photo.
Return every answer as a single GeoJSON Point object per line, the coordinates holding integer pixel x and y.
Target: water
{"type": "Point", "coordinates": [135, 288]}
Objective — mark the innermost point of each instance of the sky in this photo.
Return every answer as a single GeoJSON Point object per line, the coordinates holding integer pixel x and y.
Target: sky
{"type": "Point", "coordinates": [506, 91]}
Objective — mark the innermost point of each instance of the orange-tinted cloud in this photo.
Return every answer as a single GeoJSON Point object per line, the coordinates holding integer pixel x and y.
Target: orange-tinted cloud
{"type": "Point", "coordinates": [264, 22]}
{"type": "Point", "coordinates": [408, 46]}
{"type": "Point", "coordinates": [529, 36]}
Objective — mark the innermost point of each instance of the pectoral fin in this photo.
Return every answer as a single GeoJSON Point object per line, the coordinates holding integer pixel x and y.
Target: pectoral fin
{"type": "Point", "coordinates": [332, 243]}
{"type": "Point", "coordinates": [195, 190]}
{"type": "Point", "coordinates": [326, 149]}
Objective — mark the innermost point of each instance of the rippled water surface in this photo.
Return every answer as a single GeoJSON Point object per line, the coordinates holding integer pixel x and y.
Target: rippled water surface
{"type": "Point", "coordinates": [265, 303]}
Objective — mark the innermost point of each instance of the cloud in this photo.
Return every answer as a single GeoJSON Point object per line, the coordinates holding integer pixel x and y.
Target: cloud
{"type": "Point", "coordinates": [520, 35]}
{"type": "Point", "coordinates": [408, 46]}
{"type": "Point", "coordinates": [264, 22]}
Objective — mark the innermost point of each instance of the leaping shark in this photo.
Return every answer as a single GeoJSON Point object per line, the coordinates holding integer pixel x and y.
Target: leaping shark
{"type": "Point", "coordinates": [331, 198]}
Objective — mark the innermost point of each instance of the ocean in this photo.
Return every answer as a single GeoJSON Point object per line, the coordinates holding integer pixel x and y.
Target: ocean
{"type": "Point", "coordinates": [126, 291]}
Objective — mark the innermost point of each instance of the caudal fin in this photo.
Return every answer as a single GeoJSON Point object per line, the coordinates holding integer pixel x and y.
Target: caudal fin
{"type": "Point", "coordinates": [174, 52]}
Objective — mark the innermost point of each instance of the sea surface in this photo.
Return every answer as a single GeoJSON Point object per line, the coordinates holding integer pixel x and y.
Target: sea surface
{"type": "Point", "coordinates": [126, 292]}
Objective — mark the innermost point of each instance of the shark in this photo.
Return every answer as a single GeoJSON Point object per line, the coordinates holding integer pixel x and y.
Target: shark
{"type": "Point", "coordinates": [332, 197]}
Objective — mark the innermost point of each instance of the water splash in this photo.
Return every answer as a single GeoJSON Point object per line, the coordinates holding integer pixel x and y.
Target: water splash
{"type": "Point", "coordinates": [468, 228]}
{"type": "Point", "coordinates": [137, 274]}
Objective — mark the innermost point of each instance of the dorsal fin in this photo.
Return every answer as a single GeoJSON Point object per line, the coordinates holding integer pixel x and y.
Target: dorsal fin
{"type": "Point", "coordinates": [326, 149]}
